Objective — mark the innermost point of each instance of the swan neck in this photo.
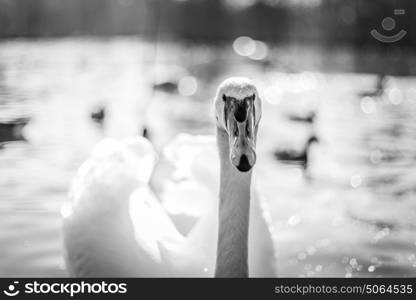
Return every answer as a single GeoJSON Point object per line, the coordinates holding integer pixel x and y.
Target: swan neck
{"type": "Point", "coordinates": [234, 207]}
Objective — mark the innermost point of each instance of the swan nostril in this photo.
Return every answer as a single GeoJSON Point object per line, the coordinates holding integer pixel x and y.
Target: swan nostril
{"type": "Point", "coordinates": [244, 165]}
{"type": "Point", "coordinates": [240, 114]}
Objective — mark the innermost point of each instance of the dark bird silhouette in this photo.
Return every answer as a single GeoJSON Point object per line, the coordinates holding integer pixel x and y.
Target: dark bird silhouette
{"type": "Point", "coordinates": [295, 157]}
{"type": "Point", "coordinates": [379, 90]}
{"type": "Point", "coordinates": [98, 115]}
{"type": "Point", "coordinates": [145, 133]}
{"type": "Point", "coordinates": [11, 130]}
{"type": "Point", "coordinates": [167, 87]}
{"type": "Point", "coordinates": [307, 118]}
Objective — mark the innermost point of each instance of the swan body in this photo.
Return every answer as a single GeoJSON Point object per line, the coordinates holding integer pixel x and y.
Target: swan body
{"type": "Point", "coordinates": [117, 226]}
{"type": "Point", "coordinates": [139, 214]}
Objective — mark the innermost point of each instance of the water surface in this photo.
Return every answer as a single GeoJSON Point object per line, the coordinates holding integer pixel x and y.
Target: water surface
{"type": "Point", "coordinates": [353, 215]}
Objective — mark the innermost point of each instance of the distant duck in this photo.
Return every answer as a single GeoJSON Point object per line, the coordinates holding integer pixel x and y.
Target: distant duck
{"type": "Point", "coordinates": [267, 63]}
{"type": "Point", "coordinates": [307, 118]}
{"type": "Point", "coordinates": [380, 87]}
{"type": "Point", "coordinates": [98, 115]}
{"type": "Point", "coordinates": [145, 133]}
{"type": "Point", "coordinates": [11, 130]}
{"type": "Point", "coordinates": [295, 157]}
{"type": "Point", "coordinates": [166, 86]}
{"type": "Point", "coordinates": [167, 78]}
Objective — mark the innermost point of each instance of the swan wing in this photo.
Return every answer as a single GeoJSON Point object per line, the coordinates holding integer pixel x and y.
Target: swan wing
{"type": "Point", "coordinates": [192, 189]}
{"type": "Point", "coordinates": [107, 225]}
{"type": "Point", "coordinates": [189, 194]}
{"type": "Point", "coordinates": [111, 173]}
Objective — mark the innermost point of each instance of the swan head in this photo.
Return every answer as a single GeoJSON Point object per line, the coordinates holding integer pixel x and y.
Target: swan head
{"type": "Point", "coordinates": [238, 112]}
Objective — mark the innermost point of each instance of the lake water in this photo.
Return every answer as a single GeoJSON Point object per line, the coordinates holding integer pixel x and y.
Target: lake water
{"type": "Point", "coordinates": [353, 215]}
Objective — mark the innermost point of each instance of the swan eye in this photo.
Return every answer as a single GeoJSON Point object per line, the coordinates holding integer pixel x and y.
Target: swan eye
{"type": "Point", "coordinates": [236, 131]}
{"type": "Point", "coordinates": [254, 97]}
{"type": "Point", "coordinates": [224, 98]}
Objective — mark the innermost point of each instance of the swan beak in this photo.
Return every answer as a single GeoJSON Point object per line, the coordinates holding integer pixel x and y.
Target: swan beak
{"type": "Point", "coordinates": [242, 142]}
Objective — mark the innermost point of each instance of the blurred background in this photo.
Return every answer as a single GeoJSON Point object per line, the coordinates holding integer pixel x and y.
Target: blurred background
{"type": "Point", "coordinates": [337, 158]}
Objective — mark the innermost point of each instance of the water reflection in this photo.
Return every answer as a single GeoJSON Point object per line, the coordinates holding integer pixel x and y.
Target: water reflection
{"type": "Point", "coordinates": [353, 216]}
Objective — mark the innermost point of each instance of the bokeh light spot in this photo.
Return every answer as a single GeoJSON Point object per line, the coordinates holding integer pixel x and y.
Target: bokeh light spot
{"type": "Point", "coordinates": [187, 86]}
{"type": "Point", "coordinates": [371, 269]}
{"type": "Point", "coordinates": [244, 46]}
{"type": "Point", "coordinates": [356, 180]}
{"type": "Point", "coordinates": [376, 156]}
{"type": "Point", "coordinates": [294, 220]}
{"type": "Point", "coordinates": [261, 51]}
{"type": "Point", "coordinates": [395, 96]}
{"type": "Point", "coordinates": [368, 105]}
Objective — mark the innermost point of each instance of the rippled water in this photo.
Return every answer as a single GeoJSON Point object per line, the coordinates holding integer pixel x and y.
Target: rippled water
{"type": "Point", "coordinates": [354, 215]}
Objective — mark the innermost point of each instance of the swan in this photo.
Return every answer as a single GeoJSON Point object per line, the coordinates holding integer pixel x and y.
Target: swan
{"type": "Point", "coordinates": [198, 225]}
